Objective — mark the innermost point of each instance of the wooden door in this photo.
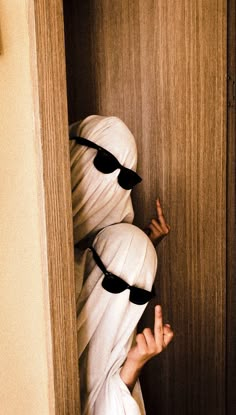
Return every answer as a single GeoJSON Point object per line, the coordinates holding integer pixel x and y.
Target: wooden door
{"type": "Point", "coordinates": [160, 65]}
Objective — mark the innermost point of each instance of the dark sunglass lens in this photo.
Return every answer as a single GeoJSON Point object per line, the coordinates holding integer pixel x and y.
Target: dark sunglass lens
{"type": "Point", "coordinates": [105, 162]}
{"type": "Point", "coordinates": [113, 284]}
{"type": "Point", "coordinates": [128, 178]}
{"type": "Point", "coordinates": [139, 296]}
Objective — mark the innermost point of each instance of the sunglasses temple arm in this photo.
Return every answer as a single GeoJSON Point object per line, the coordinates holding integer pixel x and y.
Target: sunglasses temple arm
{"type": "Point", "coordinates": [84, 142]}
{"type": "Point", "coordinates": [98, 260]}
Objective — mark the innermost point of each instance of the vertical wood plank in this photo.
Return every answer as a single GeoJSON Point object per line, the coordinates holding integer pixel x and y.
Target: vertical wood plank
{"type": "Point", "coordinates": [191, 172]}
{"type": "Point", "coordinates": [231, 212]}
{"type": "Point", "coordinates": [161, 67]}
{"type": "Point", "coordinates": [52, 108]}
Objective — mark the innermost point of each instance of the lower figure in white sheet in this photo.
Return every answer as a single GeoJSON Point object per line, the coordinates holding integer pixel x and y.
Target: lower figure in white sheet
{"type": "Point", "coordinates": [119, 272]}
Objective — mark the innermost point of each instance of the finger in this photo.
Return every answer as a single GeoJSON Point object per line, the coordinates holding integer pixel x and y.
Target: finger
{"type": "Point", "coordinates": [155, 229]}
{"type": "Point", "coordinates": [167, 329]}
{"type": "Point", "coordinates": [141, 343]}
{"type": "Point", "coordinates": [150, 340]}
{"type": "Point", "coordinates": [154, 235]}
{"type": "Point", "coordinates": [156, 225]}
{"type": "Point", "coordinates": [163, 229]}
{"type": "Point", "coordinates": [168, 336]}
{"type": "Point", "coordinates": [161, 218]}
{"type": "Point", "coordinates": [158, 326]}
{"type": "Point", "coordinates": [160, 215]}
{"type": "Point", "coordinates": [156, 238]}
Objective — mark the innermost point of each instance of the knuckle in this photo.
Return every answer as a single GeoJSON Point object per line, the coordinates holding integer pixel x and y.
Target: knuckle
{"type": "Point", "coordinates": [139, 337]}
{"type": "Point", "coordinates": [147, 331]}
{"type": "Point", "coordinates": [143, 352]}
{"type": "Point", "coordinates": [153, 350]}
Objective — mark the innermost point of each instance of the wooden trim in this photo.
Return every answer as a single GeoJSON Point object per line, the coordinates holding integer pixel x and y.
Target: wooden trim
{"type": "Point", "coordinates": [231, 212]}
{"type": "Point", "coordinates": [52, 113]}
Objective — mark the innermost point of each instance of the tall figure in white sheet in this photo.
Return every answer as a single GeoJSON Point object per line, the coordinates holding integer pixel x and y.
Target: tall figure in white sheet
{"type": "Point", "coordinates": [101, 177]}
{"type": "Point", "coordinates": [103, 158]}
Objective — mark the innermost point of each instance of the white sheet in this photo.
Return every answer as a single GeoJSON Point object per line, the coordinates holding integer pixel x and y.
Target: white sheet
{"type": "Point", "coordinates": [97, 198]}
{"type": "Point", "coordinates": [106, 322]}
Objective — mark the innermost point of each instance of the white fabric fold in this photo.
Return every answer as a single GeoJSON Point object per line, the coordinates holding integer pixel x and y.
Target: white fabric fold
{"type": "Point", "coordinates": [106, 322]}
{"type": "Point", "coordinates": [119, 400]}
{"type": "Point", "coordinates": [97, 198]}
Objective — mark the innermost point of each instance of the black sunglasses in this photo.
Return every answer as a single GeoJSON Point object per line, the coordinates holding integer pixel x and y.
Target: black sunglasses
{"type": "Point", "coordinates": [106, 163]}
{"type": "Point", "coordinates": [116, 285]}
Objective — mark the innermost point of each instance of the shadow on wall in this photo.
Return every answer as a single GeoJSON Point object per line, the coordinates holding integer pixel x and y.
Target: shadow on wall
{"type": "Point", "coordinates": [81, 78]}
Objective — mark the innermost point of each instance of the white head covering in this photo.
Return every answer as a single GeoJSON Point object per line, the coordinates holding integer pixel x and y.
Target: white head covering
{"type": "Point", "coordinates": [97, 198]}
{"type": "Point", "coordinates": [106, 322]}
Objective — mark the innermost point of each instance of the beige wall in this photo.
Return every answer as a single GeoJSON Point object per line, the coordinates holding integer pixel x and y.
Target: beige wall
{"type": "Point", "coordinates": [25, 349]}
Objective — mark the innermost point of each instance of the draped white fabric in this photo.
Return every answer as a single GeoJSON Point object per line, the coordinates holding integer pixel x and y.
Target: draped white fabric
{"type": "Point", "coordinates": [106, 322]}
{"type": "Point", "coordinates": [97, 198]}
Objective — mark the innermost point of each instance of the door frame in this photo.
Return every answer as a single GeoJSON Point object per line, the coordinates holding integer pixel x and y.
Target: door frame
{"type": "Point", "coordinates": [231, 212]}
{"type": "Point", "coordinates": [47, 53]}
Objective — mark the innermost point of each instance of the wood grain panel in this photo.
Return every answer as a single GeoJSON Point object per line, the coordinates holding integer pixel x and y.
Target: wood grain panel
{"type": "Point", "coordinates": [231, 212]}
{"type": "Point", "coordinates": [52, 113]}
{"type": "Point", "coordinates": [161, 67]}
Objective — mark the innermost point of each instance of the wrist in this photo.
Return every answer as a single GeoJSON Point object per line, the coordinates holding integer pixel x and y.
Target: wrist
{"type": "Point", "coordinates": [130, 372]}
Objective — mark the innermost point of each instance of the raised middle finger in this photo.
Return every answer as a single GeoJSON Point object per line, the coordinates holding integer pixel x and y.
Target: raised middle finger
{"type": "Point", "coordinates": [158, 326]}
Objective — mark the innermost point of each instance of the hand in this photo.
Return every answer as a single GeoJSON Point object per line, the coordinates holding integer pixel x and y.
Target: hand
{"type": "Point", "coordinates": [150, 344]}
{"type": "Point", "coordinates": [158, 229]}
{"type": "Point", "coordinates": [147, 345]}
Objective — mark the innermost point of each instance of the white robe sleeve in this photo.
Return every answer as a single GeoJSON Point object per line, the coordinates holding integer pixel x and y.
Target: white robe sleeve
{"type": "Point", "coordinates": [115, 398]}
